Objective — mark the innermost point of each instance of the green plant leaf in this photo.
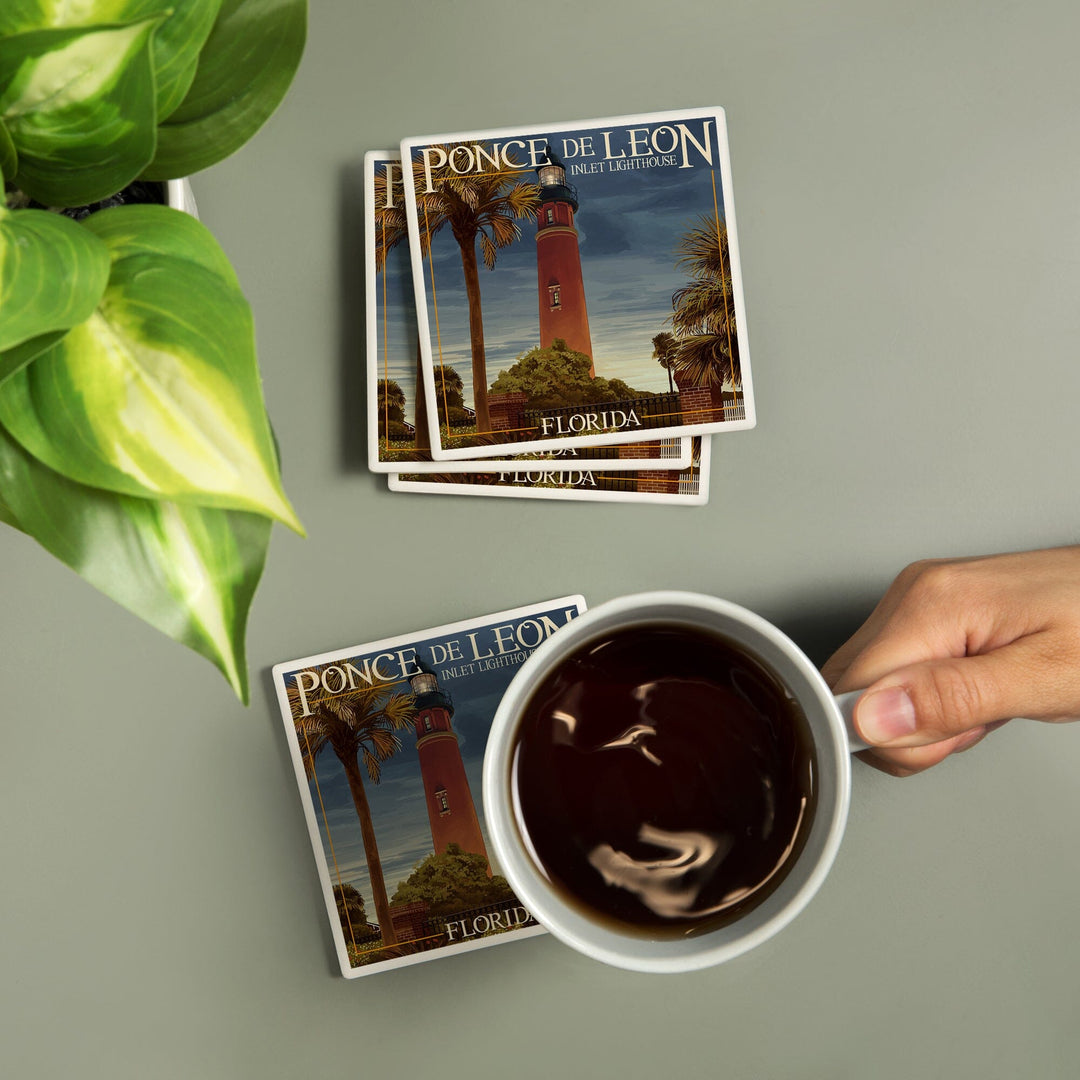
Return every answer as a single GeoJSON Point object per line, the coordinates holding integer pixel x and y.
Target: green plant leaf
{"type": "Point", "coordinates": [176, 45]}
{"type": "Point", "coordinates": [79, 107]}
{"type": "Point", "coordinates": [245, 68]}
{"type": "Point", "coordinates": [53, 272]}
{"type": "Point", "coordinates": [9, 157]}
{"type": "Point", "coordinates": [157, 394]}
{"type": "Point", "coordinates": [187, 570]}
{"type": "Point", "coordinates": [146, 229]}
{"type": "Point", "coordinates": [15, 359]}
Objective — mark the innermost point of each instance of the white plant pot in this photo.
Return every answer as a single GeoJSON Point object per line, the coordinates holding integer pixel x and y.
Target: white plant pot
{"type": "Point", "coordinates": [178, 194]}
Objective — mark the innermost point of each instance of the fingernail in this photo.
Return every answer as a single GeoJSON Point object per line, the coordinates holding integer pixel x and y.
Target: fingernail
{"type": "Point", "coordinates": [970, 738]}
{"type": "Point", "coordinates": [885, 715]}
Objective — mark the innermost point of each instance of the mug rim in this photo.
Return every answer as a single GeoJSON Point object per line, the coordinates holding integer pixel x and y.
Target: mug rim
{"type": "Point", "coordinates": [632, 951]}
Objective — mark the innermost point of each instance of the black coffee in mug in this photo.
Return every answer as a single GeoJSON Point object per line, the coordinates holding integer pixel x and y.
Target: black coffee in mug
{"type": "Point", "coordinates": [663, 779]}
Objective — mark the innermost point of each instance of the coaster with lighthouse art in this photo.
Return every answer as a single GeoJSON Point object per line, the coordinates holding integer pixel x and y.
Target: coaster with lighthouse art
{"type": "Point", "coordinates": [581, 279]}
{"type": "Point", "coordinates": [387, 742]}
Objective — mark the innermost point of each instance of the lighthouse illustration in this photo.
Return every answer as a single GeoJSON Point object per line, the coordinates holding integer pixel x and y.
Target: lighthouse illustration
{"type": "Point", "coordinates": [563, 313]}
{"type": "Point", "coordinates": [450, 806]}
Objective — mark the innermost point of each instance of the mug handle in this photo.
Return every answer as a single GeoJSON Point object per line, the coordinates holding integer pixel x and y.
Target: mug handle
{"type": "Point", "coordinates": [846, 704]}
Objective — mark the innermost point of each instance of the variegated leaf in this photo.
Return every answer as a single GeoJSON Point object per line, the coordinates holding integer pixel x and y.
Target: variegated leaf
{"type": "Point", "coordinates": [157, 394]}
{"type": "Point", "coordinates": [245, 68]}
{"type": "Point", "coordinates": [53, 272]}
{"type": "Point", "coordinates": [190, 571]}
{"type": "Point", "coordinates": [79, 107]}
{"type": "Point", "coordinates": [176, 44]}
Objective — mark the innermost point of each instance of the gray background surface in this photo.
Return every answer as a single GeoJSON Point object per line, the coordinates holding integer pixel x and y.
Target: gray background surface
{"type": "Point", "coordinates": [906, 180]}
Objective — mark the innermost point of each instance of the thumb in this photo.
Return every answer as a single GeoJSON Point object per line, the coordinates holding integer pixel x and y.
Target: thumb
{"type": "Point", "coordinates": [938, 699]}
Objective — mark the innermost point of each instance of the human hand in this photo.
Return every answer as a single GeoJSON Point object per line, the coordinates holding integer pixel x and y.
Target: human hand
{"type": "Point", "coordinates": [957, 647]}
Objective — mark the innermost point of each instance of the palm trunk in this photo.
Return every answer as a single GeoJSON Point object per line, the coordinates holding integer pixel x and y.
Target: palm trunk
{"type": "Point", "coordinates": [371, 851]}
{"type": "Point", "coordinates": [476, 333]}
{"type": "Point", "coordinates": [423, 439]}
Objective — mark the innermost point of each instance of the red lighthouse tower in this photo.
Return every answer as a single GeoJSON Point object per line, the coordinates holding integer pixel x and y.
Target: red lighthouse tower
{"type": "Point", "coordinates": [563, 313]}
{"type": "Point", "coordinates": [450, 806]}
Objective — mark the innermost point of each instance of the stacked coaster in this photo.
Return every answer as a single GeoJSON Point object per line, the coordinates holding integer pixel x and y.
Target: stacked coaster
{"type": "Point", "coordinates": [556, 311]}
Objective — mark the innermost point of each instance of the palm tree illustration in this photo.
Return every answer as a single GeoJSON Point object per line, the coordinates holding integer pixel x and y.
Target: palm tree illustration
{"type": "Point", "coordinates": [391, 404]}
{"type": "Point", "coordinates": [703, 318]}
{"type": "Point", "coordinates": [482, 210]}
{"type": "Point", "coordinates": [350, 907]}
{"type": "Point", "coordinates": [664, 350]}
{"type": "Point", "coordinates": [359, 725]}
{"type": "Point", "coordinates": [391, 228]}
{"type": "Point", "coordinates": [448, 386]}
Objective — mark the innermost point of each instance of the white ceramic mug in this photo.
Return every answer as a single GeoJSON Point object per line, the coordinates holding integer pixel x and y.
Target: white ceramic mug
{"type": "Point", "coordinates": [834, 741]}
